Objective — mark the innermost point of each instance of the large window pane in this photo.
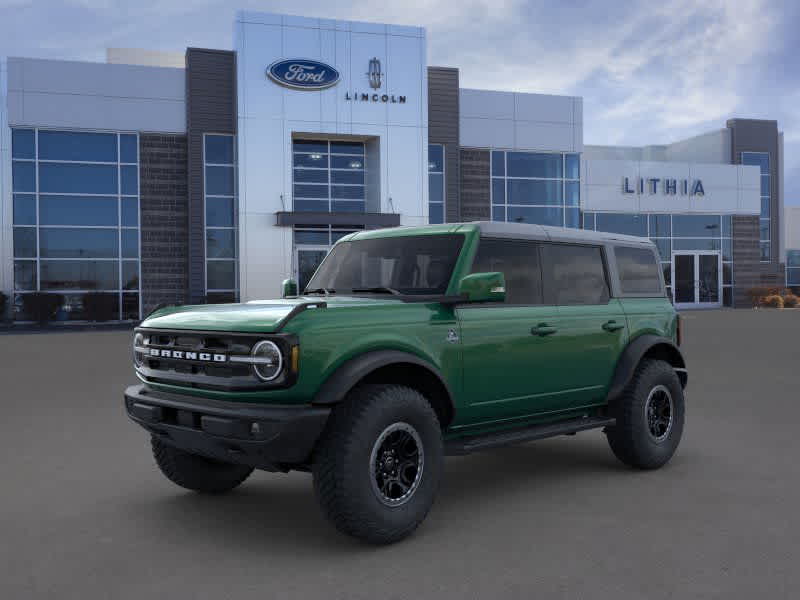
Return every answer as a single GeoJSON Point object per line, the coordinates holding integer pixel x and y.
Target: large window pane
{"type": "Point", "coordinates": [343, 162]}
{"type": "Point", "coordinates": [537, 215]}
{"type": "Point", "coordinates": [572, 189]}
{"type": "Point", "coordinates": [664, 246]}
{"type": "Point", "coordinates": [219, 149]}
{"type": "Point", "coordinates": [25, 242]}
{"type": "Point", "coordinates": [78, 146]}
{"type": "Point", "coordinates": [588, 221]}
{"type": "Point", "coordinates": [219, 212]}
{"type": "Point", "coordinates": [356, 177]}
{"type": "Point", "coordinates": [78, 243]}
{"type": "Point", "coordinates": [765, 185]}
{"type": "Point", "coordinates": [311, 205]}
{"type": "Point", "coordinates": [128, 148]}
{"type": "Point", "coordinates": [129, 184]}
{"type": "Point", "coordinates": [311, 175]}
{"type": "Point", "coordinates": [130, 306]}
{"type": "Point", "coordinates": [499, 213]}
{"type": "Point", "coordinates": [130, 275]}
{"type": "Point", "coordinates": [221, 274]}
{"type": "Point", "coordinates": [220, 243]}
{"type": "Point", "coordinates": [219, 181]}
{"type": "Point", "coordinates": [347, 192]}
{"type": "Point", "coordinates": [310, 191]}
{"type": "Point", "coordinates": [765, 207]}
{"type": "Point", "coordinates": [435, 158]}
{"type": "Point", "coordinates": [793, 258]}
{"type": "Point", "coordinates": [660, 226]}
{"type": "Point", "coordinates": [24, 209]}
{"type": "Point", "coordinates": [498, 191]}
{"type": "Point", "coordinates": [314, 238]}
{"type": "Point", "coordinates": [320, 161]}
{"type": "Point", "coordinates": [498, 163]}
{"type": "Point", "coordinates": [77, 210]}
{"type": "Point", "coordinates": [766, 251]}
{"type": "Point", "coordinates": [347, 206]}
{"type": "Point", "coordinates": [24, 275]}
{"type": "Point", "coordinates": [759, 159]}
{"type": "Point", "coordinates": [572, 217]}
{"type": "Point", "coordinates": [628, 224]}
{"type": "Point", "coordinates": [79, 275]}
{"type": "Point", "coordinates": [573, 166]}
{"type": "Point", "coordinates": [529, 164]}
{"type": "Point", "coordinates": [310, 146]}
{"type": "Point", "coordinates": [435, 213]}
{"type": "Point", "coordinates": [727, 226]}
{"type": "Point", "coordinates": [526, 191]}
{"type": "Point", "coordinates": [763, 229]}
{"type": "Point", "coordinates": [77, 179]}
{"type": "Point", "coordinates": [696, 226]}
{"type": "Point", "coordinates": [130, 243]}
{"type": "Point", "coordinates": [436, 187]}
{"type": "Point", "coordinates": [130, 212]}
{"type": "Point", "coordinates": [696, 244]}
{"type": "Point", "coordinates": [347, 148]}
{"type": "Point", "coordinates": [23, 176]}
{"type": "Point", "coordinates": [23, 143]}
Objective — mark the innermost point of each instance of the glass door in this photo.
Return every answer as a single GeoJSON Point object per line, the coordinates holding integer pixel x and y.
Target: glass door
{"type": "Point", "coordinates": [308, 260]}
{"type": "Point", "coordinates": [696, 279]}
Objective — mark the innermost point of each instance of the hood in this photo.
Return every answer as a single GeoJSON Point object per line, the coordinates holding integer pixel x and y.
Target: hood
{"type": "Point", "coordinates": [257, 316]}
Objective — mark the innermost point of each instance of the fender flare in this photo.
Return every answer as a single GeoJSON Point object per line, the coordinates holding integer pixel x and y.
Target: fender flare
{"type": "Point", "coordinates": [632, 356]}
{"type": "Point", "coordinates": [347, 375]}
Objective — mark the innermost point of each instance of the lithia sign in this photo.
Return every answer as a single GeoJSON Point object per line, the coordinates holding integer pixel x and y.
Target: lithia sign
{"type": "Point", "coordinates": [306, 74]}
{"type": "Point", "coordinates": [667, 186]}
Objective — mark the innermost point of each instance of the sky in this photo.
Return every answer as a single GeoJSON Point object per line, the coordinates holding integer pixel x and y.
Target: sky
{"type": "Point", "coordinates": [649, 72]}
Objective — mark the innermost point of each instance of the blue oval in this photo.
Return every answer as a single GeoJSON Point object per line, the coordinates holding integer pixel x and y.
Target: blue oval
{"type": "Point", "coordinates": [303, 74]}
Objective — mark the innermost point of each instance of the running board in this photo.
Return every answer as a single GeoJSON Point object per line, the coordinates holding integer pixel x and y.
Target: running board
{"type": "Point", "coordinates": [466, 445]}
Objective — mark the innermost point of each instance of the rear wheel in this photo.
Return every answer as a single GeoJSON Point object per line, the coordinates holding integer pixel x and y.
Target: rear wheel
{"type": "Point", "coordinates": [650, 416]}
{"type": "Point", "coordinates": [378, 464]}
{"type": "Point", "coordinates": [195, 472]}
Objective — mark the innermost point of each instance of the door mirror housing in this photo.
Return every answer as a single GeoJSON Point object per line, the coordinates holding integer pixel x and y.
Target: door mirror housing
{"type": "Point", "coordinates": [483, 287]}
{"type": "Point", "coordinates": [288, 288]}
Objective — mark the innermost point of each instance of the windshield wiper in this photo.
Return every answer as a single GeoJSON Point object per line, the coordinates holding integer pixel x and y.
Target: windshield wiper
{"type": "Point", "coordinates": [378, 290]}
{"type": "Point", "coordinates": [321, 290]}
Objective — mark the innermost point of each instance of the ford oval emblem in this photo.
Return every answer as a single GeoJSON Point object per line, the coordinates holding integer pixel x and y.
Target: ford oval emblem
{"type": "Point", "coordinates": [303, 74]}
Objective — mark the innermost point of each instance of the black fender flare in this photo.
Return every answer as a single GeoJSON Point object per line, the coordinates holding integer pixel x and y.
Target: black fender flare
{"type": "Point", "coordinates": [630, 358]}
{"type": "Point", "coordinates": [347, 375]}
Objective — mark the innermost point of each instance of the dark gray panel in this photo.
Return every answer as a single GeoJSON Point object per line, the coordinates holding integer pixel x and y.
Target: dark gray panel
{"type": "Point", "coordinates": [210, 108]}
{"type": "Point", "coordinates": [475, 199]}
{"type": "Point", "coordinates": [367, 220]}
{"type": "Point", "coordinates": [443, 114]}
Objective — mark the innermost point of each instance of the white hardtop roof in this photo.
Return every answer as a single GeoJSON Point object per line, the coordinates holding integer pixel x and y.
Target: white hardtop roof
{"type": "Point", "coordinates": [561, 234]}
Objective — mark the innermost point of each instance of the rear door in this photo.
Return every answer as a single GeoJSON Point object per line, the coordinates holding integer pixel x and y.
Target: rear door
{"type": "Point", "coordinates": [592, 328]}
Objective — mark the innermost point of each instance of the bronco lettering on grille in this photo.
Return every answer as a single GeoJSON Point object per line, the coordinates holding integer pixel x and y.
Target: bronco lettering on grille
{"type": "Point", "coordinates": [180, 354]}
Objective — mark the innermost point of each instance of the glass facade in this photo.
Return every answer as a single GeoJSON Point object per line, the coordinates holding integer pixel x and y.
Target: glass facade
{"type": "Point", "coordinates": [674, 233]}
{"type": "Point", "coordinates": [76, 219]}
{"type": "Point", "coordinates": [435, 183]}
{"type": "Point", "coordinates": [536, 187]}
{"type": "Point", "coordinates": [761, 160]}
{"type": "Point", "coordinates": [219, 160]}
{"type": "Point", "coordinates": [311, 244]}
{"type": "Point", "coordinates": [793, 268]}
{"type": "Point", "coordinates": [328, 176]}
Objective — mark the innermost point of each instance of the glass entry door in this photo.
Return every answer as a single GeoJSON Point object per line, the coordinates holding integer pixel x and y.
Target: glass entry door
{"type": "Point", "coordinates": [697, 279]}
{"type": "Point", "coordinates": [307, 261]}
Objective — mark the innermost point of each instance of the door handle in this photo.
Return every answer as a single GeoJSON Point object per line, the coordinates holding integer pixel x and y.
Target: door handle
{"type": "Point", "coordinates": [612, 325]}
{"type": "Point", "coordinates": [543, 329]}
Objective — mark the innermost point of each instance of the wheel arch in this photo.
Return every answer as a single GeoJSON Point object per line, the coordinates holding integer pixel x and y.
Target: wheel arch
{"type": "Point", "coordinates": [390, 366]}
{"type": "Point", "coordinates": [646, 347]}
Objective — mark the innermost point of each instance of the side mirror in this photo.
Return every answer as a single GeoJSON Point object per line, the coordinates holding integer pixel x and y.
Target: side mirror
{"type": "Point", "coordinates": [483, 287]}
{"type": "Point", "coordinates": [288, 288]}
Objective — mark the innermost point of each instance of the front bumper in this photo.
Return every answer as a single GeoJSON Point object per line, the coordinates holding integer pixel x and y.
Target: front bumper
{"type": "Point", "coordinates": [273, 438]}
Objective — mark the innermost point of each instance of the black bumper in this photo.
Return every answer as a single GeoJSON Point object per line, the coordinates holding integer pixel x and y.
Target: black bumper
{"type": "Point", "coordinates": [274, 437]}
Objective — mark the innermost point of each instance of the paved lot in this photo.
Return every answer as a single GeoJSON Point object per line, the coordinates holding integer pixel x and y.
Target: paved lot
{"type": "Point", "coordinates": [84, 513]}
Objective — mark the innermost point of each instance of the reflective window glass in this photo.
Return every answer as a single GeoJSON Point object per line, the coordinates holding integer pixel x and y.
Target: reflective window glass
{"type": "Point", "coordinates": [311, 205]}
{"type": "Point", "coordinates": [130, 212]}
{"type": "Point", "coordinates": [793, 277]}
{"type": "Point", "coordinates": [572, 191]}
{"type": "Point", "coordinates": [498, 191]}
{"type": "Point", "coordinates": [347, 206]}
{"type": "Point", "coordinates": [220, 243]}
{"type": "Point", "coordinates": [79, 275]}
{"type": "Point", "coordinates": [129, 184]}
{"type": "Point", "coordinates": [128, 148]}
{"type": "Point", "coordinates": [765, 207]}
{"type": "Point", "coordinates": [727, 226]}
{"type": "Point", "coordinates": [530, 164]}
{"type": "Point", "coordinates": [77, 210]}
{"type": "Point", "coordinates": [696, 225]}
{"type": "Point", "coordinates": [24, 209]}
{"type": "Point", "coordinates": [765, 185]}
{"type": "Point", "coordinates": [337, 235]}
{"type": "Point", "coordinates": [435, 158]}
{"type": "Point", "coordinates": [219, 212]}
{"type": "Point", "coordinates": [315, 238]}
{"type": "Point", "coordinates": [727, 273]}
{"type": "Point", "coordinates": [660, 226]}
{"type": "Point", "coordinates": [357, 177]}
{"type": "Point", "coordinates": [319, 161]}
{"type": "Point", "coordinates": [436, 213]}
{"type": "Point", "coordinates": [530, 191]}
{"type": "Point", "coordinates": [538, 215]}
{"type": "Point", "coordinates": [313, 175]}
{"type": "Point", "coordinates": [77, 179]}
{"type": "Point", "coordinates": [23, 176]}
{"type": "Point", "coordinates": [588, 221]}
{"type": "Point", "coordinates": [25, 242]}
{"type": "Point", "coordinates": [759, 159]}
{"type": "Point", "coordinates": [219, 149]}
{"type": "Point", "coordinates": [25, 275]}
{"type": "Point", "coordinates": [436, 187]}
{"type": "Point", "coordinates": [518, 262]}
{"type": "Point", "coordinates": [696, 244]}
{"type": "Point", "coordinates": [573, 166]}
{"type": "Point", "coordinates": [56, 242]}
{"type": "Point", "coordinates": [343, 162]}
{"type": "Point", "coordinates": [499, 213]}
{"type": "Point", "coordinates": [764, 229]}
{"type": "Point", "coordinates": [221, 274]}
{"type": "Point", "coordinates": [638, 271]}
{"type": "Point", "coordinates": [130, 243]}
{"type": "Point", "coordinates": [727, 249]}
{"type": "Point", "coordinates": [130, 275]}
{"type": "Point", "coordinates": [664, 246]}
{"type": "Point", "coordinates": [77, 146]}
{"type": "Point", "coordinates": [130, 307]}
{"type": "Point", "coordinates": [310, 191]}
{"type": "Point", "coordinates": [347, 192]}
{"type": "Point", "coordinates": [347, 148]}
{"type": "Point", "coordinates": [793, 258]}
{"type": "Point", "coordinates": [766, 251]}
{"type": "Point", "coordinates": [219, 181]}
{"type": "Point", "coordinates": [310, 146]}
{"type": "Point", "coordinates": [23, 143]}
{"type": "Point", "coordinates": [628, 224]}
{"type": "Point", "coordinates": [572, 217]}
{"type": "Point", "coordinates": [498, 163]}
{"type": "Point", "coordinates": [573, 275]}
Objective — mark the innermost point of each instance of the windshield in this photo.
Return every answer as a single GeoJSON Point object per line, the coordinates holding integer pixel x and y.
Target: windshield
{"type": "Point", "coordinates": [419, 264]}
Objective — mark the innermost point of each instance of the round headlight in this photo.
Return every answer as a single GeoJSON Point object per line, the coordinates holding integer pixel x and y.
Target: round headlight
{"type": "Point", "coordinates": [138, 342]}
{"type": "Point", "coordinates": [268, 362]}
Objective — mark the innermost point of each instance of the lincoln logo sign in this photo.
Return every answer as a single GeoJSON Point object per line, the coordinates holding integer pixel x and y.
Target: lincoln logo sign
{"type": "Point", "coordinates": [302, 74]}
{"type": "Point", "coordinates": [667, 186]}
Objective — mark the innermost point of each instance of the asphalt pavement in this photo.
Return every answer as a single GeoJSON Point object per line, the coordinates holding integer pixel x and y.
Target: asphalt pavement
{"type": "Point", "coordinates": [85, 514]}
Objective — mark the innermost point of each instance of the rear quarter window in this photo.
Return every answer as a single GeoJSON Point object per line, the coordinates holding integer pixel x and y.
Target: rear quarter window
{"type": "Point", "coordinates": [574, 275]}
{"type": "Point", "coordinates": [638, 271]}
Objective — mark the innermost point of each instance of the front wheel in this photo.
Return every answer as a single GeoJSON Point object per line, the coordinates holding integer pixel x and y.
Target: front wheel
{"type": "Point", "coordinates": [650, 415]}
{"type": "Point", "coordinates": [378, 464]}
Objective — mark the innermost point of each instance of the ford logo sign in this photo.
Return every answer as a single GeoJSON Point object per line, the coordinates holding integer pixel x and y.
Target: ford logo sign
{"type": "Point", "coordinates": [303, 74]}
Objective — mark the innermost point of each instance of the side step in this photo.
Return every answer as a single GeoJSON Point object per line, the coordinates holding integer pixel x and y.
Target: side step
{"type": "Point", "coordinates": [461, 446]}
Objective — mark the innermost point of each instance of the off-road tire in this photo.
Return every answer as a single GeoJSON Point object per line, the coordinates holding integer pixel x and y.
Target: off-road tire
{"type": "Point", "coordinates": [630, 438]}
{"type": "Point", "coordinates": [195, 472]}
{"type": "Point", "coordinates": [343, 464]}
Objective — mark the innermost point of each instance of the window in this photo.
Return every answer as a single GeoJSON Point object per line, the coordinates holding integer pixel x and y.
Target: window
{"type": "Point", "coordinates": [536, 187]}
{"type": "Point", "coordinates": [793, 268]}
{"type": "Point", "coordinates": [435, 183]}
{"type": "Point", "coordinates": [638, 271]}
{"type": "Point", "coordinates": [219, 157]}
{"type": "Point", "coordinates": [328, 176]}
{"type": "Point", "coordinates": [761, 160]}
{"type": "Point", "coordinates": [574, 275]}
{"type": "Point", "coordinates": [76, 218]}
{"type": "Point", "coordinates": [312, 244]}
{"type": "Point", "coordinates": [518, 261]}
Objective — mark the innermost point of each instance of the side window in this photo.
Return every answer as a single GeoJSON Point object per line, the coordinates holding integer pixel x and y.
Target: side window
{"type": "Point", "coordinates": [638, 271]}
{"type": "Point", "coordinates": [518, 261]}
{"type": "Point", "coordinates": [574, 275]}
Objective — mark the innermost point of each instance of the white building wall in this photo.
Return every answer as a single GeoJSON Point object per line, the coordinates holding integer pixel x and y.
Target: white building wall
{"type": "Point", "coordinates": [269, 115]}
{"type": "Point", "coordinates": [490, 119]}
{"type": "Point", "coordinates": [713, 147]}
{"type": "Point", "coordinates": [6, 205]}
{"type": "Point", "coordinates": [82, 95]}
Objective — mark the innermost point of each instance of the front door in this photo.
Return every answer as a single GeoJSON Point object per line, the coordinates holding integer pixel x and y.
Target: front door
{"type": "Point", "coordinates": [697, 279]}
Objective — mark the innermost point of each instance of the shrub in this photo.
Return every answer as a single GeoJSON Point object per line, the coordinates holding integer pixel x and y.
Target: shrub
{"type": "Point", "coordinates": [773, 301]}
{"type": "Point", "coordinates": [757, 295]}
{"type": "Point", "coordinates": [790, 301]}
{"type": "Point", "coordinates": [3, 306]}
{"type": "Point", "coordinates": [98, 306]}
{"type": "Point", "coordinates": [41, 306]}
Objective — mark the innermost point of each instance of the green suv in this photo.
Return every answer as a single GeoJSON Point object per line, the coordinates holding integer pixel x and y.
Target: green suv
{"type": "Point", "coordinates": [409, 344]}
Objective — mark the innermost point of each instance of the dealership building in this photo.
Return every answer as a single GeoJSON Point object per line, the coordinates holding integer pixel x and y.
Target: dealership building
{"type": "Point", "coordinates": [212, 175]}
